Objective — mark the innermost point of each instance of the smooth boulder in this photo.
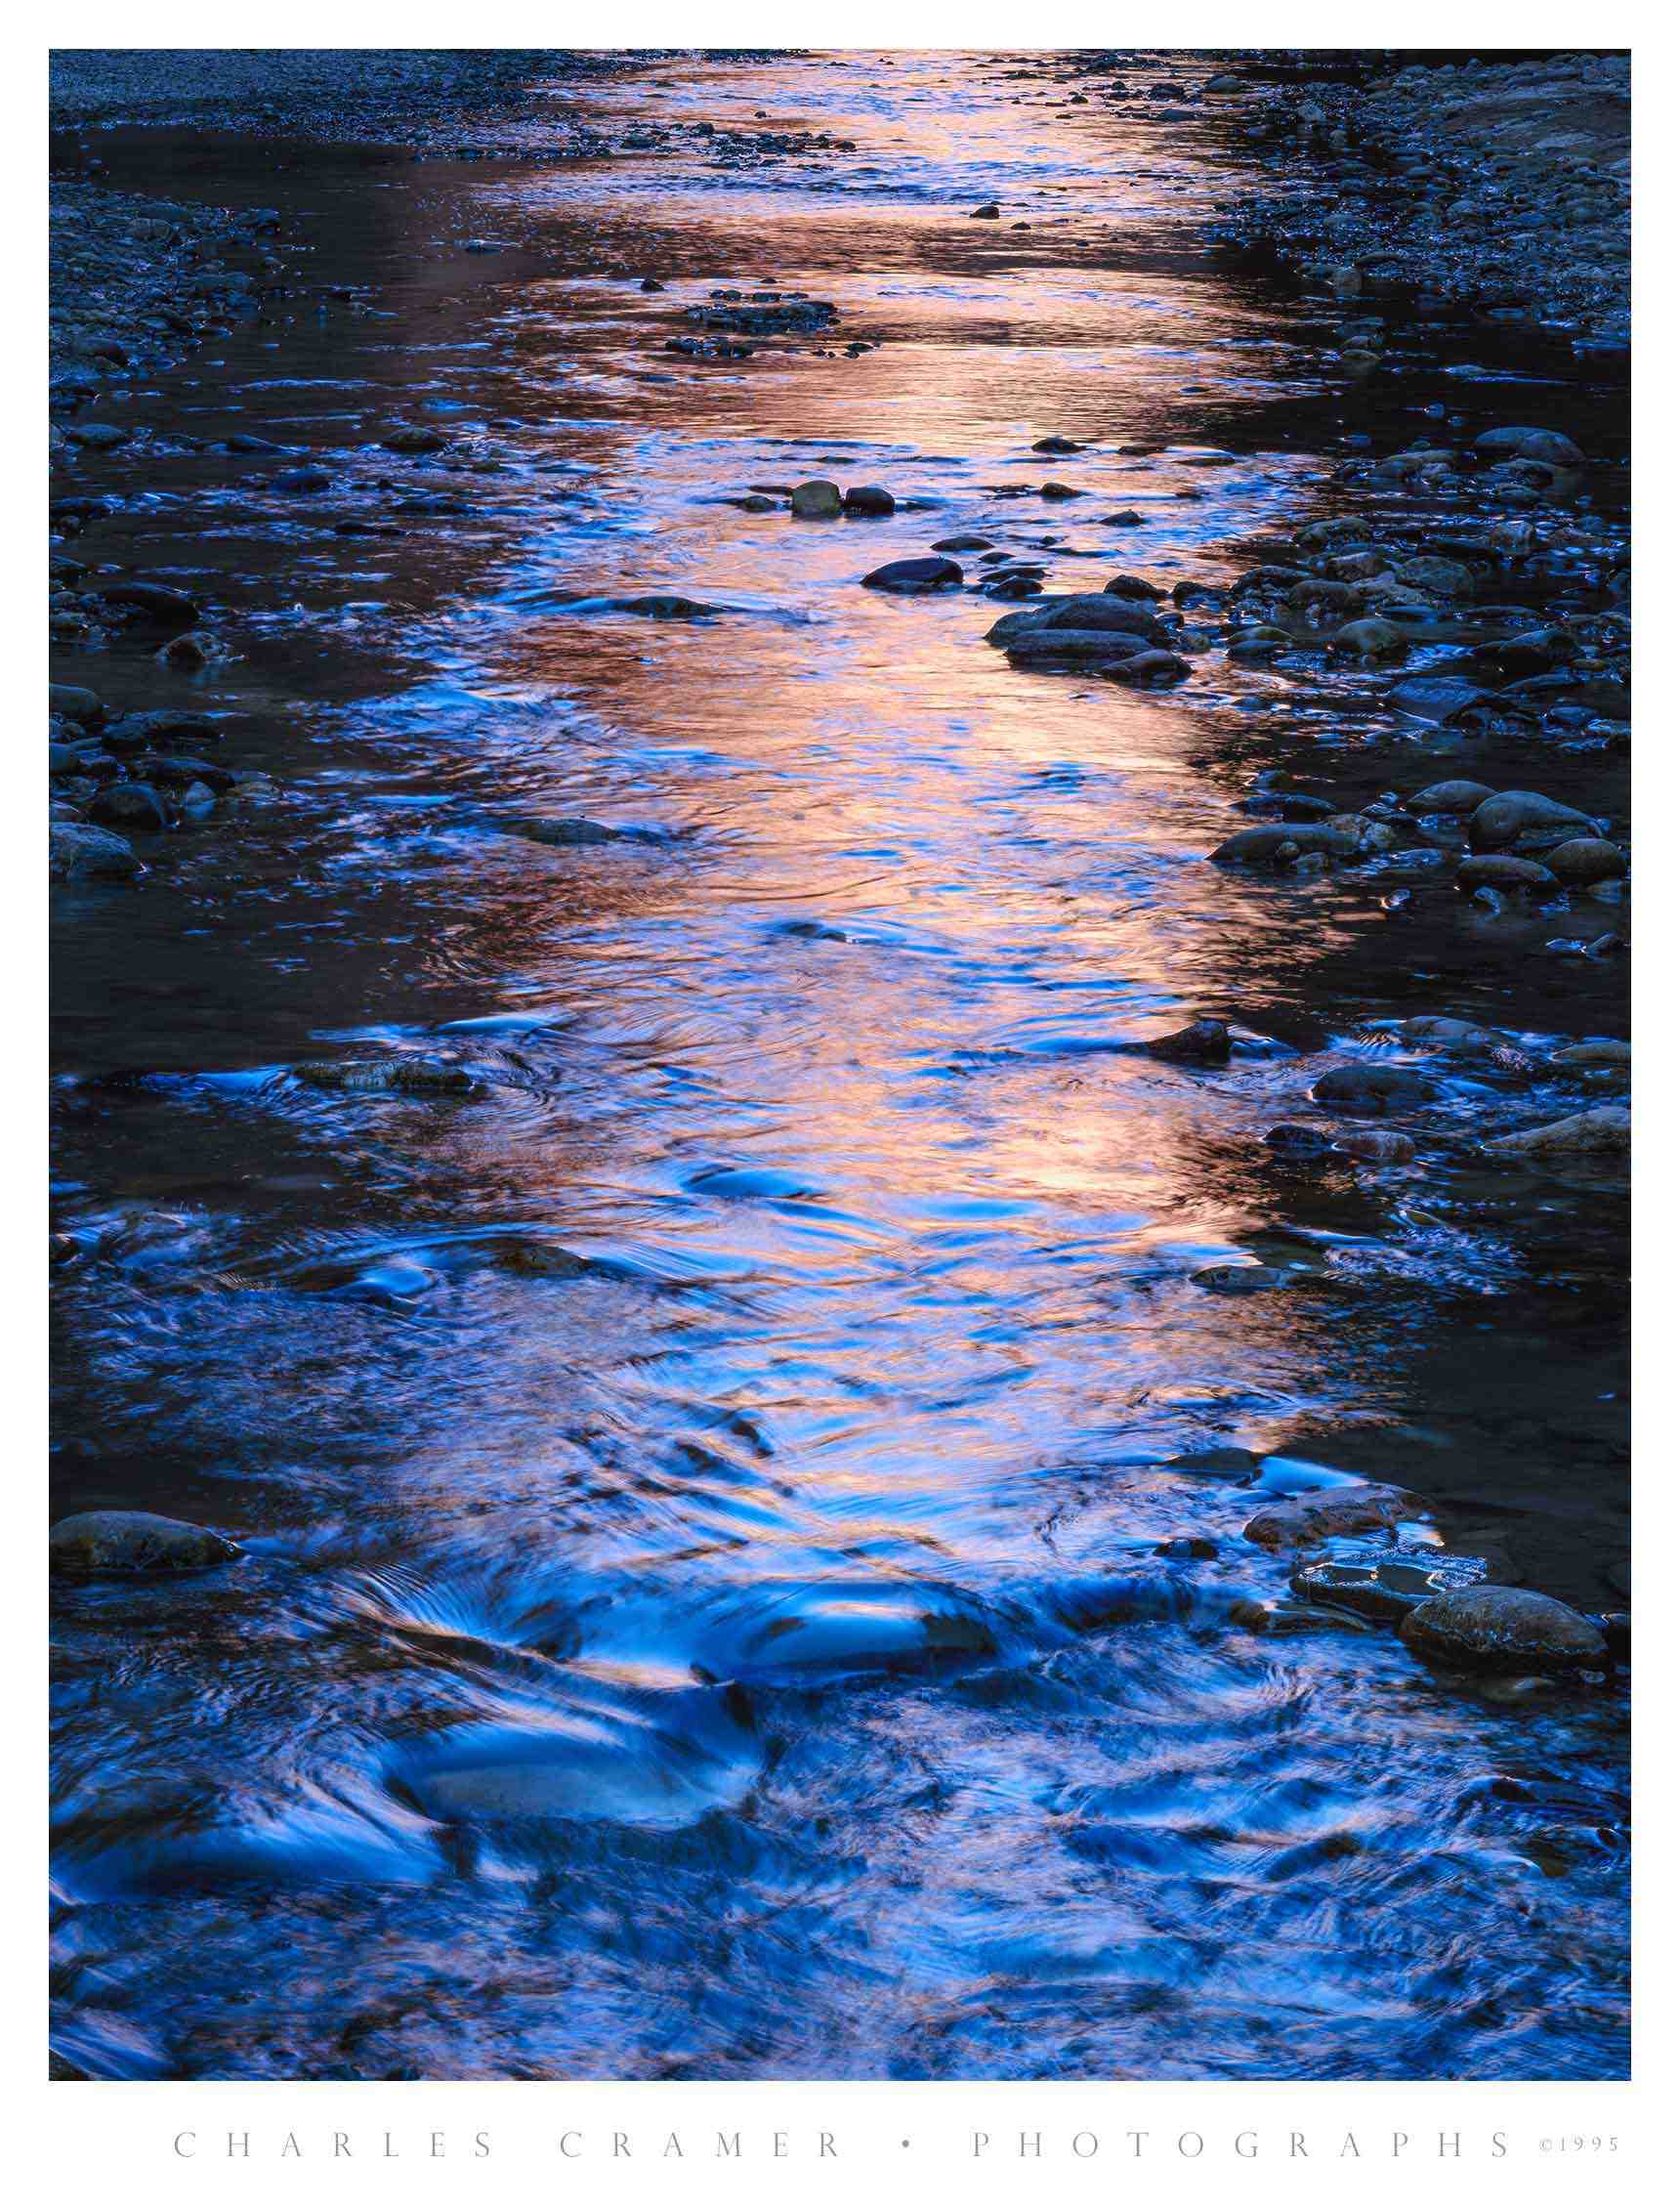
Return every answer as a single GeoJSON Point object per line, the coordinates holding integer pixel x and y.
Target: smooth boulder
{"type": "Point", "coordinates": [133, 1540]}
{"type": "Point", "coordinates": [1505, 1629]}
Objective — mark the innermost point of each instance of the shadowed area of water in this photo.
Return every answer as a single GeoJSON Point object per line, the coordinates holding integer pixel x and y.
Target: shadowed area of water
{"type": "Point", "coordinates": [704, 1482]}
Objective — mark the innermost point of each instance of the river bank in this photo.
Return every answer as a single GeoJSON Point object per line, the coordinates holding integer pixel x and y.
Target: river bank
{"type": "Point", "coordinates": [818, 1115]}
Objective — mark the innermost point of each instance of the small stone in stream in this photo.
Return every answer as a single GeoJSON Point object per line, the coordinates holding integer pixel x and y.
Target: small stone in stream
{"type": "Point", "coordinates": [911, 579]}
{"type": "Point", "coordinates": [1282, 846]}
{"type": "Point", "coordinates": [76, 703]}
{"type": "Point", "coordinates": [245, 440]}
{"type": "Point", "coordinates": [1242, 1280]}
{"type": "Point", "coordinates": [1189, 1548]}
{"type": "Point", "coordinates": [1128, 517]}
{"type": "Point", "coordinates": [1370, 638]}
{"type": "Point", "coordinates": [1452, 797]}
{"type": "Point", "coordinates": [1586, 859]}
{"type": "Point", "coordinates": [133, 1540]}
{"type": "Point", "coordinates": [186, 654]}
{"type": "Point", "coordinates": [1292, 1141]}
{"type": "Point", "coordinates": [1432, 697]}
{"type": "Point", "coordinates": [963, 545]}
{"type": "Point", "coordinates": [1606, 1129]}
{"type": "Point", "coordinates": [1286, 805]}
{"type": "Point", "coordinates": [1505, 1629]}
{"type": "Point", "coordinates": [986, 214]}
{"type": "Point", "coordinates": [128, 805]}
{"type": "Point", "coordinates": [303, 483]}
{"type": "Point", "coordinates": [652, 283]}
{"type": "Point", "coordinates": [76, 852]}
{"type": "Point", "coordinates": [1391, 1585]}
{"type": "Point", "coordinates": [415, 441]}
{"type": "Point", "coordinates": [564, 833]}
{"type": "Point", "coordinates": [817, 502]}
{"type": "Point", "coordinates": [1492, 869]}
{"type": "Point", "coordinates": [1377, 1146]}
{"type": "Point", "coordinates": [1449, 1035]}
{"type": "Point", "coordinates": [1057, 444]}
{"type": "Point", "coordinates": [1604, 1052]}
{"type": "Point", "coordinates": [1059, 490]}
{"type": "Point", "coordinates": [662, 606]}
{"type": "Point", "coordinates": [1305, 1521]}
{"type": "Point", "coordinates": [869, 498]}
{"type": "Point", "coordinates": [421, 1077]}
{"type": "Point", "coordinates": [1369, 1088]}
{"type": "Point", "coordinates": [1501, 819]}
{"type": "Point", "coordinates": [99, 437]}
{"type": "Point", "coordinates": [1530, 444]}
{"type": "Point", "coordinates": [152, 604]}
{"type": "Point", "coordinates": [1131, 586]}
{"type": "Point", "coordinates": [1205, 1043]}
{"type": "Point", "coordinates": [1148, 670]}
{"type": "Point", "coordinates": [197, 800]}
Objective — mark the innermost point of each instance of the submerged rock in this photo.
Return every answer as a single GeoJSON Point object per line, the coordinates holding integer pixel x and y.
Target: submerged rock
{"type": "Point", "coordinates": [420, 1077]}
{"type": "Point", "coordinates": [1506, 1628]}
{"type": "Point", "coordinates": [1242, 1280]}
{"type": "Point", "coordinates": [133, 1540]}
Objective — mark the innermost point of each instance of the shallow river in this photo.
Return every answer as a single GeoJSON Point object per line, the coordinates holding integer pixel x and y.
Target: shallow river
{"type": "Point", "coordinates": [703, 1611]}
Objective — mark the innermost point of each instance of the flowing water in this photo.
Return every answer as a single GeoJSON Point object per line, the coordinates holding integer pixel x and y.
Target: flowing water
{"type": "Point", "coordinates": [704, 1609]}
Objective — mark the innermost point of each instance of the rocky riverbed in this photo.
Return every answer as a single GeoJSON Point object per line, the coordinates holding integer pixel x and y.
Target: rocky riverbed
{"type": "Point", "coordinates": [842, 864]}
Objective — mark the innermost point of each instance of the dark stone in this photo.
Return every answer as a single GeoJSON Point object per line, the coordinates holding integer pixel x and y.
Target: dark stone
{"type": "Point", "coordinates": [869, 498]}
{"type": "Point", "coordinates": [303, 483]}
{"type": "Point", "coordinates": [132, 1541]}
{"type": "Point", "coordinates": [1292, 1141]}
{"type": "Point", "coordinates": [906, 578]}
{"type": "Point", "coordinates": [1391, 1585]}
{"type": "Point", "coordinates": [1505, 1629]}
{"type": "Point", "coordinates": [151, 605]}
{"type": "Point", "coordinates": [128, 805]}
{"type": "Point", "coordinates": [1369, 1088]}
{"type": "Point", "coordinates": [1206, 1042]}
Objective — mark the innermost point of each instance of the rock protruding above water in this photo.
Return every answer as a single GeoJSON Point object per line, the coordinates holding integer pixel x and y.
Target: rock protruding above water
{"type": "Point", "coordinates": [1608, 1129]}
{"type": "Point", "coordinates": [817, 502]}
{"type": "Point", "coordinates": [1505, 1629]}
{"type": "Point", "coordinates": [133, 1540]}
{"type": "Point", "coordinates": [1205, 1043]}
{"type": "Point", "coordinates": [1391, 1585]}
{"type": "Point", "coordinates": [914, 579]}
{"type": "Point", "coordinates": [79, 852]}
{"type": "Point", "coordinates": [1305, 1521]}
{"type": "Point", "coordinates": [1369, 1088]}
{"type": "Point", "coordinates": [1515, 814]}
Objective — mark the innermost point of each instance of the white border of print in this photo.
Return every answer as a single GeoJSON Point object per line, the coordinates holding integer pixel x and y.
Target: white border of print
{"type": "Point", "coordinates": [517, 2142]}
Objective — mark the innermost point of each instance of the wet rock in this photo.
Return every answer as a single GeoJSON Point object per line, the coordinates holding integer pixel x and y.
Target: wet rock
{"type": "Point", "coordinates": [365, 1077]}
{"type": "Point", "coordinates": [1372, 1088]}
{"type": "Point", "coordinates": [1242, 1280]}
{"type": "Point", "coordinates": [817, 502]}
{"type": "Point", "coordinates": [1293, 1140]}
{"type": "Point", "coordinates": [132, 1541]}
{"type": "Point", "coordinates": [1274, 846]}
{"type": "Point", "coordinates": [1530, 445]}
{"type": "Point", "coordinates": [1376, 1146]}
{"type": "Point", "coordinates": [303, 483]}
{"type": "Point", "coordinates": [1435, 698]}
{"type": "Point", "coordinates": [73, 704]}
{"type": "Point", "coordinates": [1205, 1043]}
{"type": "Point", "coordinates": [1134, 586]}
{"type": "Point", "coordinates": [1370, 638]}
{"type": "Point", "coordinates": [1461, 798]}
{"type": "Point", "coordinates": [870, 500]}
{"type": "Point", "coordinates": [1055, 491]}
{"type": "Point", "coordinates": [1087, 613]}
{"type": "Point", "coordinates": [1516, 813]}
{"type": "Point", "coordinates": [1493, 869]}
{"type": "Point", "coordinates": [963, 545]}
{"type": "Point", "coordinates": [1505, 1629]}
{"type": "Point", "coordinates": [77, 852]}
{"type": "Point", "coordinates": [1303, 1521]}
{"type": "Point", "coordinates": [662, 606]}
{"type": "Point", "coordinates": [987, 214]}
{"type": "Point", "coordinates": [914, 579]}
{"type": "Point", "coordinates": [1606, 1129]}
{"type": "Point", "coordinates": [188, 653]}
{"type": "Point", "coordinates": [149, 605]}
{"type": "Point", "coordinates": [133, 805]}
{"type": "Point", "coordinates": [1391, 1585]}
{"type": "Point", "coordinates": [563, 835]}
{"type": "Point", "coordinates": [415, 441]}
{"type": "Point", "coordinates": [1148, 670]}
{"type": "Point", "coordinates": [1057, 444]}
{"type": "Point", "coordinates": [1449, 1035]}
{"type": "Point", "coordinates": [1586, 859]}
{"type": "Point", "coordinates": [1598, 1052]}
